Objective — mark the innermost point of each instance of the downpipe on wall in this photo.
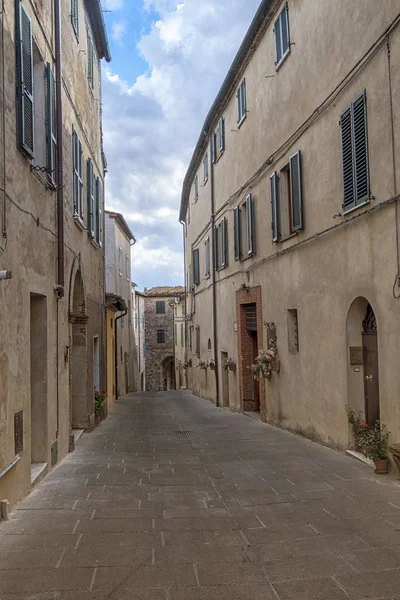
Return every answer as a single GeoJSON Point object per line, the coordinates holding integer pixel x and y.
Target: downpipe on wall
{"type": "Point", "coordinates": [123, 314]}
{"type": "Point", "coordinates": [214, 291]}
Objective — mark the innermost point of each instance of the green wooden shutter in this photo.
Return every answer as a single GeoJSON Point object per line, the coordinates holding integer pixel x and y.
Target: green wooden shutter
{"type": "Point", "coordinates": [296, 192]}
{"type": "Point", "coordinates": [275, 207]}
{"type": "Point", "coordinates": [99, 212]}
{"type": "Point", "coordinates": [207, 249]}
{"type": "Point", "coordinates": [90, 199]}
{"type": "Point", "coordinates": [221, 134]}
{"type": "Point", "coordinates": [90, 58]}
{"type": "Point", "coordinates": [196, 266]}
{"type": "Point", "coordinates": [25, 82]}
{"type": "Point", "coordinates": [213, 147]}
{"type": "Point", "coordinates": [216, 248]}
{"type": "Point", "coordinates": [75, 16]}
{"type": "Point", "coordinates": [224, 253]}
{"type": "Point", "coordinates": [237, 233]}
{"type": "Point", "coordinates": [361, 169]}
{"type": "Point", "coordinates": [75, 170]}
{"type": "Point", "coordinates": [347, 159]}
{"type": "Point", "coordinates": [250, 225]}
{"type": "Point", "coordinates": [51, 125]}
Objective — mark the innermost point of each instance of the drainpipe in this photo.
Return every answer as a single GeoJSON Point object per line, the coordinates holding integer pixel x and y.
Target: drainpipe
{"type": "Point", "coordinates": [3, 93]}
{"type": "Point", "coordinates": [60, 171]}
{"type": "Point", "coordinates": [214, 292]}
{"type": "Point", "coordinates": [123, 314]}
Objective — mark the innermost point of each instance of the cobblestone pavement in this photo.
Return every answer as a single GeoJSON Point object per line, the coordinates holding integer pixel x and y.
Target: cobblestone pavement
{"type": "Point", "coordinates": [230, 510]}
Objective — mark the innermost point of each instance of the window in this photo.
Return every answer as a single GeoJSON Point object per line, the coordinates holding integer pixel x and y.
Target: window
{"type": "Point", "coordinates": [293, 331]}
{"type": "Point", "coordinates": [25, 83]}
{"type": "Point", "coordinates": [182, 336]}
{"type": "Point", "coordinates": [51, 126]}
{"type": "Point", "coordinates": [96, 363]}
{"type": "Point", "coordinates": [244, 229]}
{"type": "Point", "coordinates": [353, 125]}
{"type": "Point", "coordinates": [183, 310]}
{"type": "Point", "coordinates": [160, 307]}
{"type": "Point", "coordinates": [220, 244]}
{"type": "Point", "coordinates": [218, 141]}
{"type": "Point", "coordinates": [77, 174]}
{"type": "Point", "coordinates": [120, 261]}
{"type": "Point", "coordinates": [241, 98]}
{"type": "Point", "coordinates": [91, 213]}
{"type": "Point", "coordinates": [221, 134]}
{"type": "Point", "coordinates": [127, 266]}
{"type": "Point", "coordinates": [99, 213]}
{"type": "Point", "coordinates": [205, 168]}
{"type": "Point", "coordinates": [90, 53]}
{"type": "Point", "coordinates": [207, 248]}
{"type": "Point", "coordinates": [198, 341]}
{"type": "Point", "coordinates": [213, 147]}
{"type": "Point", "coordinates": [287, 200]}
{"type": "Point", "coordinates": [160, 336]}
{"type": "Point", "coordinates": [176, 335]}
{"type": "Point", "coordinates": [196, 191]}
{"type": "Point", "coordinates": [196, 267]}
{"type": "Point", "coordinates": [282, 36]}
{"type": "Point", "coordinates": [75, 17]}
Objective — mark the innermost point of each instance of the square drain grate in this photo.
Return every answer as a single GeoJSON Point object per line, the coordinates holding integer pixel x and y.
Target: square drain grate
{"type": "Point", "coordinates": [184, 432]}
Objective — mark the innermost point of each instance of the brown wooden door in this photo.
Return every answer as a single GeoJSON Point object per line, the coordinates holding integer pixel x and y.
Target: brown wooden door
{"type": "Point", "coordinates": [256, 383]}
{"type": "Point", "coordinates": [371, 378]}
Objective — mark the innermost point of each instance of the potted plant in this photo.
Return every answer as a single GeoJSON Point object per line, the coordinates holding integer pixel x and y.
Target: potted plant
{"type": "Point", "coordinates": [264, 364]}
{"type": "Point", "coordinates": [229, 365]}
{"type": "Point", "coordinates": [99, 404]}
{"type": "Point", "coordinates": [375, 441]}
{"type": "Point", "coordinates": [202, 364]}
{"type": "Point", "coordinates": [357, 426]}
{"type": "Point", "coordinates": [211, 364]}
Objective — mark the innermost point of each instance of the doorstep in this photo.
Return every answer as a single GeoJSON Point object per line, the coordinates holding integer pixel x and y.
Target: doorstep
{"type": "Point", "coordinates": [253, 414]}
{"type": "Point", "coordinates": [77, 433]}
{"type": "Point", "coordinates": [361, 457]}
{"type": "Point", "coordinates": [38, 471]}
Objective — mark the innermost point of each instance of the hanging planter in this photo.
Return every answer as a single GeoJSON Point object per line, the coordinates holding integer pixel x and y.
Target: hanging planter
{"type": "Point", "coordinates": [229, 365]}
{"type": "Point", "coordinates": [202, 364]}
{"type": "Point", "coordinates": [265, 363]}
{"type": "Point", "coordinates": [211, 364]}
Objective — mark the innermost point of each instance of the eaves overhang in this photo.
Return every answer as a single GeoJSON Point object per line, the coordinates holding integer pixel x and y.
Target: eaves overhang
{"type": "Point", "coordinates": [262, 19]}
{"type": "Point", "coordinates": [95, 13]}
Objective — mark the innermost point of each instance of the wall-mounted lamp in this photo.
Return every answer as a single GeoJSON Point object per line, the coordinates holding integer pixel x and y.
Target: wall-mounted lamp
{"type": "Point", "coordinates": [5, 275]}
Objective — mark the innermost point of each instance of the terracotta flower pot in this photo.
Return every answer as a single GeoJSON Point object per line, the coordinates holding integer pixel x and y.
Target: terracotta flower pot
{"type": "Point", "coordinates": [381, 466]}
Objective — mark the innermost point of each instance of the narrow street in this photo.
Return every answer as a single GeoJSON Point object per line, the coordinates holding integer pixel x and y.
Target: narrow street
{"type": "Point", "coordinates": [173, 499]}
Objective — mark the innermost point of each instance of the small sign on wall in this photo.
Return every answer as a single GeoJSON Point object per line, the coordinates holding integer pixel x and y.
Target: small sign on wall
{"type": "Point", "coordinates": [356, 355]}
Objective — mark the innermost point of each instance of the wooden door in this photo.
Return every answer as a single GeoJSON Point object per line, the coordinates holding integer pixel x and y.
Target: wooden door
{"type": "Point", "coordinates": [256, 383]}
{"type": "Point", "coordinates": [371, 378]}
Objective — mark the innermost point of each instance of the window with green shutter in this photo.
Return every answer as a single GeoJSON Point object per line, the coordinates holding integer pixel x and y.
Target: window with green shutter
{"type": "Point", "coordinates": [196, 188]}
{"type": "Point", "coordinates": [75, 17]}
{"type": "Point", "coordinates": [25, 82]}
{"type": "Point", "coordinates": [237, 233]}
{"type": "Point", "coordinates": [220, 244]}
{"type": "Point", "coordinates": [160, 336]}
{"type": "Point", "coordinates": [196, 266]}
{"type": "Point", "coordinates": [296, 199]}
{"type": "Point", "coordinates": [99, 213]}
{"type": "Point", "coordinates": [251, 246]}
{"type": "Point", "coordinates": [198, 341]}
{"type": "Point", "coordinates": [242, 102]}
{"type": "Point", "coordinates": [274, 181]}
{"type": "Point", "coordinates": [91, 218]}
{"type": "Point", "coordinates": [182, 335]}
{"type": "Point", "coordinates": [205, 168]}
{"type": "Point", "coordinates": [282, 36]}
{"type": "Point", "coordinates": [51, 126]}
{"type": "Point", "coordinates": [287, 200]}
{"type": "Point", "coordinates": [213, 147]}
{"type": "Point", "coordinates": [160, 307]}
{"type": "Point", "coordinates": [77, 174]}
{"type": "Point", "coordinates": [90, 53]}
{"type": "Point", "coordinates": [207, 261]}
{"type": "Point", "coordinates": [221, 134]}
{"type": "Point", "coordinates": [355, 167]}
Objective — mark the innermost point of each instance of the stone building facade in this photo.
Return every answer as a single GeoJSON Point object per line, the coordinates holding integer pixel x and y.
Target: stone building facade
{"type": "Point", "coordinates": [138, 324]}
{"type": "Point", "coordinates": [180, 343]}
{"type": "Point", "coordinates": [159, 304]}
{"type": "Point", "coordinates": [52, 165]}
{"type": "Point", "coordinates": [290, 206]}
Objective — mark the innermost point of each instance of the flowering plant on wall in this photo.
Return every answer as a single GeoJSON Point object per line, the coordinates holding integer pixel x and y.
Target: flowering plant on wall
{"type": "Point", "coordinates": [229, 364]}
{"type": "Point", "coordinates": [211, 363]}
{"type": "Point", "coordinates": [202, 364]}
{"type": "Point", "coordinates": [264, 364]}
{"type": "Point", "coordinates": [99, 398]}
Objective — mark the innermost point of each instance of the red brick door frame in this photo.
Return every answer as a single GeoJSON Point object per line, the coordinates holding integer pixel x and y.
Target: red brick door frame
{"type": "Point", "coordinates": [243, 297]}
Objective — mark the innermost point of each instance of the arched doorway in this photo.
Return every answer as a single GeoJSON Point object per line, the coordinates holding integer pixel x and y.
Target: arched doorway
{"type": "Point", "coordinates": [167, 374]}
{"type": "Point", "coordinates": [79, 366]}
{"type": "Point", "coordinates": [363, 360]}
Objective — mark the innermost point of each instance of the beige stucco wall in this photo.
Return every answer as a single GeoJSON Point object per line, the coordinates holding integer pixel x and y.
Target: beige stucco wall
{"type": "Point", "coordinates": [322, 277]}
{"type": "Point", "coordinates": [31, 253]}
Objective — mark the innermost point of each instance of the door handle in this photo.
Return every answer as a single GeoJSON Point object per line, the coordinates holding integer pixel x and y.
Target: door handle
{"type": "Point", "coordinates": [369, 377]}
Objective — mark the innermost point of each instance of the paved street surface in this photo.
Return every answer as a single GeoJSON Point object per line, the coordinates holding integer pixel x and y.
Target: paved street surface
{"type": "Point", "coordinates": [173, 499]}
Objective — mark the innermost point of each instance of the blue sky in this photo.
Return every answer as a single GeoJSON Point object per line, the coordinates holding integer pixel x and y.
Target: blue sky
{"type": "Point", "coordinates": [169, 60]}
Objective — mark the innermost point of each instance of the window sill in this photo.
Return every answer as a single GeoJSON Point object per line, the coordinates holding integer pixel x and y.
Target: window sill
{"type": "Point", "coordinates": [289, 237]}
{"type": "Point", "coordinates": [350, 210]}
{"type": "Point", "coordinates": [241, 120]}
{"type": "Point", "coordinates": [79, 223]}
{"type": "Point", "coordinates": [284, 57]}
{"type": "Point", "coordinates": [95, 244]}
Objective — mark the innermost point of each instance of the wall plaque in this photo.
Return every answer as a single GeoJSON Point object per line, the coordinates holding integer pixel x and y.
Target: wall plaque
{"type": "Point", "coordinates": [356, 355]}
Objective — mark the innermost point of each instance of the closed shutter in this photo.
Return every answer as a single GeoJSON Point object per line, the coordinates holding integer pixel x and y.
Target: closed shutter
{"type": "Point", "coordinates": [196, 266]}
{"type": "Point", "coordinates": [274, 207]}
{"type": "Point", "coordinates": [198, 341]}
{"type": "Point", "coordinates": [207, 249]}
{"type": "Point", "coordinates": [90, 59]}
{"type": "Point", "coordinates": [285, 29]}
{"type": "Point", "coordinates": [237, 233]}
{"type": "Point", "coordinates": [296, 192]}
{"type": "Point", "coordinates": [99, 213]}
{"type": "Point", "coordinates": [51, 125]}
{"type": "Point", "coordinates": [360, 149]}
{"type": "Point", "coordinates": [216, 248]}
{"type": "Point", "coordinates": [250, 225]}
{"type": "Point", "coordinates": [224, 239]}
{"type": "Point", "coordinates": [75, 16]}
{"type": "Point", "coordinates": [347, 159]}
{"type": "Point", "coordinates": [213, 147]}
{"type": "Point", "coordinates": [75, 180]}
{"type": "Point", "coordinates": [221, 134]}
{"type": "Point", "coordinates": [196, 188]}
{"type": "Point", "coordinates": [90, 200]}
{"type": "Point", "coordinates": [25, 83]}
{"type": "Point", "coordinates": [278, 40]}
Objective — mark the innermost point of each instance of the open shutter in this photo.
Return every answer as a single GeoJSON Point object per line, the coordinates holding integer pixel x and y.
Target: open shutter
{"type": "Point", "coordinates": [296, 192]}
{"type": "Point", "coordinates": [213, 147]}
{"type": "Point", "coordinates": [80, 179]}
{"type": "Point", "coordinates": [278, 40]}
{"type": "Point", "coordinates": [224, 254]}
{"type": "Point", "coordinates": [196, 266]}
{"type": "Point", "coordinates": [285, 29]}
{"type": "Point", "coordinates": [208, 258]}
{"type": "Point", "coordinates": [75, 16]}
{"type": "Point", "coordinates": [274, 207]}
{"type": "Point", "coordinates": [90, 199]}
{"type": "Point", "coordinates": [75, 177]}
{"type": "Point", "coordinates": [216, 248]}
{"type": "Point", "coordinates": [99, 220]}
{"type": "Point", "coordinates": [221, 134]}
{"type": "Point", "coordinates": [51, 125]}
{"type": "Point", "coordinates": [361, 170]}
{"type": "Point", "coordinates": [25, 83]}
{"type": "Point", "coordinates": [347, 159]}
{"type": "Point", "coordinates": [244, 99]}
{"type": "Point", "coordinates": [250, 225]}
{"type": "Point", "coordinates": [237, 233]}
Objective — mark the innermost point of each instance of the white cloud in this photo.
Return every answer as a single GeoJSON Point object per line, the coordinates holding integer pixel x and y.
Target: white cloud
{"type": "Point", "coordinates": [119, 30]}
{"type": "Point", "coordinates": [151, 125]}
{"type": "Point", "coordinates": [114, 4]}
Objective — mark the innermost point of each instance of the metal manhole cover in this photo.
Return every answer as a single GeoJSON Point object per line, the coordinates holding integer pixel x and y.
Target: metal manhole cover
{"type": "Point", "coordinates": [184, 432]}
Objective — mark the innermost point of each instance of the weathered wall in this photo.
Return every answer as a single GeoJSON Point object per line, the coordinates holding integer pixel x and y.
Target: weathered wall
{"type": "Point", "coordinates": [158, 355]}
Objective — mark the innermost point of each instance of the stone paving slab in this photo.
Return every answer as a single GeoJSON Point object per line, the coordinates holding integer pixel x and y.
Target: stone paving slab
{"type": "Point", "coordinates": [235, 511]}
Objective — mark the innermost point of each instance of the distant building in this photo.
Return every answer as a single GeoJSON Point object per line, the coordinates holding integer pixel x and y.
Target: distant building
{"type": "Point", "coordinates": [159, 336]}
{"type": "Point", "coordinates": [138, 325]}
{"type": "Point", "coordinates": [180, 345]}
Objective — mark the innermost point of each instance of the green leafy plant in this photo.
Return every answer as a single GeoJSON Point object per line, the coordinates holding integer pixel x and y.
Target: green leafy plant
{"type": "Point", "coordinates": [202, 364]}
{"type": "Point", "coordinates": [262, 367]}
{"type": "Point", "coordinates": [99, 398]}
{"type": "Point", "coordinates": [229, 364]}
{"type": "Point", "coordinates": [211, 363]}
{"type": "Point", "coordinates": [375, 441]}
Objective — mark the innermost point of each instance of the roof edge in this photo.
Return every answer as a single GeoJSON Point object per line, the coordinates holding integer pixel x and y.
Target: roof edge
{"type": "Point", "coordinates": [95, 12]}
{"type": "Point", "coordinates": [122, 223]}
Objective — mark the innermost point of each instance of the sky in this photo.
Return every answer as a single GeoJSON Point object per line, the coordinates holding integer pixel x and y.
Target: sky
{"type": "Point", "coordinates": [169, 60]}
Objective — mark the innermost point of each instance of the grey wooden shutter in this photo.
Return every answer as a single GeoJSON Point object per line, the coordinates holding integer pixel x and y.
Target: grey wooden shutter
{"type": "Point", "coordinates": [51, 125]}
{"type": "Point", "coordinates": [237, 233]}
{"type": "Point", "coordinates": [196, 266]}
{"type": "Point", "coordinates": [250, 225]}
{"type": "Point", "coordinates": [25, 82]}
{"type": "Point", "coordinates": [80, 179]}
{"type": "Point", "coordinates": [75, 16]}
{"type": "Point", "coordinates": [361, 170]}
{"type": "Point", "coordinates": [296, 192]}
{"type": "Point", "coordinates": [90, 58]}
{"type": "Point", "coordinates": [208, 258]}
{"type": "Point", "coordinates": [216, 248]}
{"type": "Point", "coordinates": [278, 40]}
{"type": "Point", "coordinates": [285, 29]}
{"type": "Point", "coordinates": [213, 147]}
{"type": "Point", "coordinates": [347, 159]}
{"type": "Point", "coordinates": [90, 199]}
{"type": "Point", "coordinates": [275, 206]}
{"type": "Point", "coordinates": [221, 134]}
{"type": "Point", "coordinates": [99, 213]}
{"type": "Point", "coordinates": [224, 254]}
